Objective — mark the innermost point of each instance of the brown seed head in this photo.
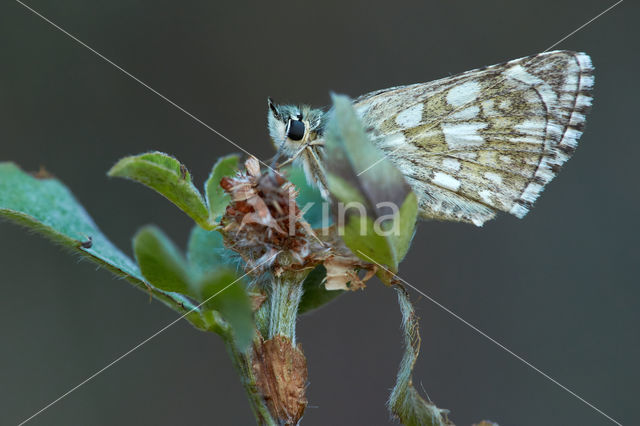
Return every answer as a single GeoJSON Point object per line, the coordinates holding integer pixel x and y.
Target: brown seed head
{"type": "Point", "coordinates": [263, 220]}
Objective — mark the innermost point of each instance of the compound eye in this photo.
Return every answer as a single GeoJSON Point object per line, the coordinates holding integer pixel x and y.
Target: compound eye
{"type": "Point", "coordinates": [295, 130]}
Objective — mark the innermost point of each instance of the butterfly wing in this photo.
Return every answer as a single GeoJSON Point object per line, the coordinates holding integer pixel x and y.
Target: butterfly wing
{"type": "Point", "coordinates": [487, 140]}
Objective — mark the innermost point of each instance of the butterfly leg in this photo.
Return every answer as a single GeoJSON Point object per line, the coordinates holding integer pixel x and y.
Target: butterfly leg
{"type": "Point", "coordinates": [293, 157]}
{"type": "Point", "coordinates": [317, 170]}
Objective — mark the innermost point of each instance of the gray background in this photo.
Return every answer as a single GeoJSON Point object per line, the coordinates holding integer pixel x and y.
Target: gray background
{"type": "Point", "coordinates": [560, 287]}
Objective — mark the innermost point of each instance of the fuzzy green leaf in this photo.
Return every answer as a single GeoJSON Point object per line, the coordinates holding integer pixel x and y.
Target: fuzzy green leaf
{"type": "Point", "coordinates": [228, 312]}
{"type": "Point", "coordinates": [169, 178]}
{"type": "Point", "coordinates": [379, 208]}
{"type": "Point", "coordinates": [206, 251]}
{"type": "Point", "coordinates": [315, 294]}
{"type": "Point", "coordinates": [48, 207]}
{"type": "Point", "coordinates": [361, 237]}
{"type": "Point", "coordinates": [216, 197]}
{"type": "Point", "coordinates": [160, 261]}
{"type": "Point", "coordinates": [222, 291]}
{"type": "Point", "coordinates": [210, 264]}
{"type": "Point", "coordinates": [406, 221]}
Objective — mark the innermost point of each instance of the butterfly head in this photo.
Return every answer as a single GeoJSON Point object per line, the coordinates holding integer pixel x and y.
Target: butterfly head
{"type": "Point", "coordinates": [291, 127]}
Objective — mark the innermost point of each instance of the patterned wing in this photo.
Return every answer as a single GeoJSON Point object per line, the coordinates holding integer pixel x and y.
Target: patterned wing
{"type": "Point", "coordinates": [486, 140]}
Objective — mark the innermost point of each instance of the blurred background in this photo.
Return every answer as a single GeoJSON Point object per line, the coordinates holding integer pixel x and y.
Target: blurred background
{"type": "Point", "coordinates": [560, 287]}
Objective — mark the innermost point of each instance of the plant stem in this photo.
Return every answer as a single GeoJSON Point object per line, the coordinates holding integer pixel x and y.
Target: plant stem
{"type": "Point", "coordinates": [243, 365]}
{"type": "Point", "coordinates": [284, 300]}
{"type": "Point", "coordinates": [277, 362]}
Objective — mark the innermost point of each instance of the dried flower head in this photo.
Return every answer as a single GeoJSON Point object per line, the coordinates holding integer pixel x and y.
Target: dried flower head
{"type": "Point", "coordinates": [264, 224]}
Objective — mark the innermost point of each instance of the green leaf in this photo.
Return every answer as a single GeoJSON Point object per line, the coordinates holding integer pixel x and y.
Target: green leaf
{"type": "Point", "coordinates": [379, 209]}
{"type": "Point", "coordinates": [48, 207]}
{"type": "Point", "coordinates": [160, 261]}
{"type": "Point", "coordinates": [407, 218]}
{"type": "Point", "coordinates": [315, 294]}
{"type": "Point", "coordinates": [344, 191]}
{"type": "Point", "coordinates": [405, 402]}
{"type": "Point", "coordinates": [309, 198]}
{"type": "Point", "coordinates": [210, 262]}
{"type": "Point", "coordinates": [222, 291]}
{"type": "Point", "coordinates": [206, 251]}
{"type": "Point", "coordinates": [225, 306]}
{"type": "Point", "coordinates": [361, 237]}
{"type": "Point", "coordinates": [168, 177]}
{"type": "Point", "coordinates": [216, 197]}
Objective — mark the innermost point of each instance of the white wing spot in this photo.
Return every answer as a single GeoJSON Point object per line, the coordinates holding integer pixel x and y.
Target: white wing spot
{"type": "Point", "coordinates": [446, 181]}
{"type": "Point", "coordinates": [517, 72]}
{"type": "Point", "coordinates": [493, 177]}
{"type": "Point", "coordinates": [392, 141]}
{"type": "Point", "coordinates": [463, 93]}
{"type": "Point", "coordinates": [411, 116]}
{"type": "Point", "coordinates": [463, 135]}
{"type": "Point", "coordinates": [451, 164]}
{"type": "Point", "coordinates": [571, 82]}
{"type": "Point", "coordinates": [478, 221]}
{"type": "Point", "coordinates": [519, 211]}
{"type": "Point", "coordinates": [531, 192]}
{"type": "Point", "coordinates": [528, 139]}
{"type": "Point", "coordinates": [505, 104]}
{"type": "Point", "coordinates": [587, 81]}
{"type": "Point", "coordinates": [486, 196]}
{"type": "Point", "coordinates": [583, 101]}
{"type": "Point", "coordinates": [466, 114]}
{"type": "Point", "coordinates": [531, 127]}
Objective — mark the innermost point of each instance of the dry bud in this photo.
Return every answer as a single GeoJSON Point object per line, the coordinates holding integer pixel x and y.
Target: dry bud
{"type": "Point", "coordinates": [263, 220]}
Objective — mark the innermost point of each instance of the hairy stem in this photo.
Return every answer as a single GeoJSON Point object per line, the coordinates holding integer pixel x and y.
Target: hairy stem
{"type": "Point", "coordinates": [405, 402]}
{"type": "Point", "coordinates": [277, 361]}
{"type": "Point", "coordinates": [286, 293]}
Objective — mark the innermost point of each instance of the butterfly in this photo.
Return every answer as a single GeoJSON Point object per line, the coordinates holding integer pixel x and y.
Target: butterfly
{"type": "Point", "coordinates": [470, 145]}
